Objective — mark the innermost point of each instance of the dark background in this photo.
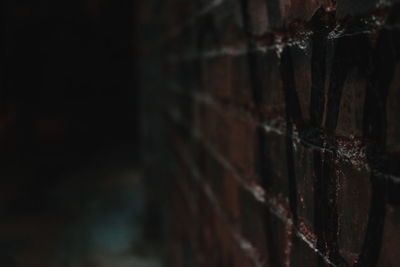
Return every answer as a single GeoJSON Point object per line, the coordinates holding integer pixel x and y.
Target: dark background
{"type": "Point", "coordinates": [67, 84]}
{"type": "Point", "coordinates": [71, 188]}
{"type": "Point", "coordinates": [68, 78]}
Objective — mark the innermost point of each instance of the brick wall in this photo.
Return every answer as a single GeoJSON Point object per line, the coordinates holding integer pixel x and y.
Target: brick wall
{"type": "Point", "coordinates": [284, 132]}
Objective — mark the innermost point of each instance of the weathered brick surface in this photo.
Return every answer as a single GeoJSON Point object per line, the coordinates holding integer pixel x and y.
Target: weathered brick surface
{"type": "Point", "coordinates": [284, 129]}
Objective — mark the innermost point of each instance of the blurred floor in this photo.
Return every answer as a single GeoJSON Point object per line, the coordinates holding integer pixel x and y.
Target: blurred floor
{"type": "Point", "coordinates": [96, 218]}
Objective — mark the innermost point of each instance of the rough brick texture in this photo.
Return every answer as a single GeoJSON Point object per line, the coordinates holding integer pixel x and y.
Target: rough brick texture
{"type": "Point", "coordinates": [284, 132]}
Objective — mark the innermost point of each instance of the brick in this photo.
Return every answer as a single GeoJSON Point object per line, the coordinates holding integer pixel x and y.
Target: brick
{"type": "Point", "coordinates": [213, 127]}
{"type": "Point", "coordinates": [273, 149]}
{"type": "Point", "coordinates": [302, 72]}
{"type": "Point", "coordinates": [354, 7]}
{"type": "Point", "coordinates": [271, 93]}
{"type": "Point", "coordinates": [354, 194]}
{"type": "Point", "coordinates": [241, 83]}
{"type": "Point", "coordinates": [264, 230]}
{"type": "Point", "coordinates": [393, 109]}
{"type": "Point", "coordinates": [258, 16]}
{"type": "Point", "coordinates": [305, 177]}
{"type": "Point", "coordinates": [253, 225]}
{"type": "Point", "coordinates": [293, 10]}
{"type": "Point", "coordinates": [278, 241]}
{"type": "Point", "coordinates": [217, 77]}
{"type": "Point", "coordinates": [228, 22]}
{"type": "Point", "coordinates": [301, 252]}
{"type": "Point", "coordinates": [390, 241]}
{"type": "Point", "coordinates": [231, 199]}
{"type": "Point", "coordinates": [241, 150]}
{"type": "Point", "coordinates": [350, 121]}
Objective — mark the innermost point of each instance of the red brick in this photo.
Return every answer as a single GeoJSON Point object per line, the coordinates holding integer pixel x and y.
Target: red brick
{"type": "Point", "coordinates": [393, 109]}
{"type": "Point", "coordinates": [351, 111]}
{"type": "Point", "coordinates": [304, 168]}
{"type": "Point", "coordinates": [391, 235]}
{"type": "Point", "coordinates": [354, 194]}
